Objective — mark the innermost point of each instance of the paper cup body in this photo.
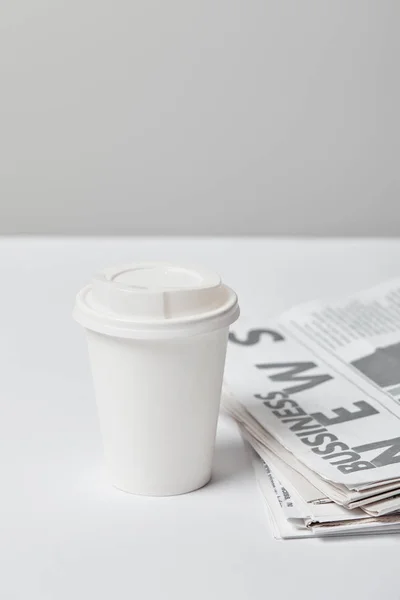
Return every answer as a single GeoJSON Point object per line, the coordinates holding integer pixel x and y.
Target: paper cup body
{"type": "Point", "coordinates": [158, 404]}
{"type": "Point", "coordinates": [157, 344]}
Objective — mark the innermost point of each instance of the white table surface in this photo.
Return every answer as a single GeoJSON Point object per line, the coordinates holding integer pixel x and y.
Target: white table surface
{"type": "Point", "coordinates": [65, 534]}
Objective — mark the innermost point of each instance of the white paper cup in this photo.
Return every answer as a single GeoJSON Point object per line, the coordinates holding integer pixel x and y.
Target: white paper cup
{"type": "Point", "coordinates": [157, 336]}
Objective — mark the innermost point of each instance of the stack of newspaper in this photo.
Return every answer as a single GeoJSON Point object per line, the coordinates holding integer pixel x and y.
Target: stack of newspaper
{"type": "Point", "coordinates": [316, 394]}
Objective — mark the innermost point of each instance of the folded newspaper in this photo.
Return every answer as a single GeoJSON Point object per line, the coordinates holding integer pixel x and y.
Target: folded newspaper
{"type": "Point", "coordinates": [316, 393]}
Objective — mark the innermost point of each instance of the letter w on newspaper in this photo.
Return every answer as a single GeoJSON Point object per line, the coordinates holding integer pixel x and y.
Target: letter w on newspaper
{"type": "Point", "coordinates": [316, 394]}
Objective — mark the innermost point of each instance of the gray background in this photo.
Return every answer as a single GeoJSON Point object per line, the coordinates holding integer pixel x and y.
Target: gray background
{"type": "Point", "coordinates": [211, 116]}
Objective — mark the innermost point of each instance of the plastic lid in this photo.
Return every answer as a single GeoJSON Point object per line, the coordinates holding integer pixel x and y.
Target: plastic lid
{"type": "Point", "coordinates": [153, 300]}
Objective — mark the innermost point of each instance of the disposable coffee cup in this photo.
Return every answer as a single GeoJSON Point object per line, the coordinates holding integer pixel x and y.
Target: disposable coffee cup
{"type": "Point", "coordinates": [157, 336]}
